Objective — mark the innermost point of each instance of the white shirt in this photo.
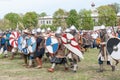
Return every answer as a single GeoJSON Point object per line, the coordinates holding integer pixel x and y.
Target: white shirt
{"type": "Point", "coordinates": [94, 35]}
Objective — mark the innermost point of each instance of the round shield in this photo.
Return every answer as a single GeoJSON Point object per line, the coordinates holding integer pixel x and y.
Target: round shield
{"type": "Point", "coordinates": [31, 44]}
{"type": "Point", "coordinates": [52, 44]}
{"type": "Point", "coordinates": [13, 39]}
{"type": "Point", "coordinates": [71, 44]}
{"type": "Point", "coordinates": [27, 45]}
{"type": "Point", "coordinates": [20, 43]}
{"type": "Point", "coordinates": [69, 39]}
{"type": "Point", "coordinates": [113, 45]}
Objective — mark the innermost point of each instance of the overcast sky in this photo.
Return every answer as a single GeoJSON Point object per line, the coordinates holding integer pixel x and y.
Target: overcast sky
{"type": "Point", "coordinates": [48, 6]}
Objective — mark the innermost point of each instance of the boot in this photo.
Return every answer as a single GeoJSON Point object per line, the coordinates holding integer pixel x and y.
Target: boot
{"type": "Point", "coordinates": [75, 68]}
{"type": "Point", "coordinates": [12, 57]}
{"type": "Point", "coordinates": [66, 68]}
{"type": "Point", "coordinates": [113, 68]}
{"type": "Point", "coordinates": [25, 61]}
{"type": "Point", "coordinates": [101, 68]}
{"type": "Point", "coordinates": [30, 64]}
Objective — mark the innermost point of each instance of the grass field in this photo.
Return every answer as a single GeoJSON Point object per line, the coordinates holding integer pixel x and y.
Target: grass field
{"type": "Point", "coordinates": [13, 70]}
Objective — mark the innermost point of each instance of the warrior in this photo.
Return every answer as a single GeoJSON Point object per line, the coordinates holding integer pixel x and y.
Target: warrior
{"type": "Point", "coordinates": [86, 41]}
{"type": "Point", "coordinates": [31, 52]}
{"type": "Point", "coordinates": [118, 32]}
{"type": "Point", "coordinates": [10, 48]}
{"type": "Point", "coordinates": [103, 55]}
{"type": "Point", "coordinates": [46, 35]}
{"type": "Point", "coordinates": [40, 49]}
{"type": "Point", "coordinates": [3, 47]}
{"type": "Point", "coordinates": [94, 36]}
{"type": "Point", "coordinates": [59, 57]}
{"type": "Point", "coordinates": [11, 42]}
{"type": "Point", "coordinates": [73, 58]}
{"type": "Point", "coordinates": [81, 42]}
{"type": "Point", "coordinates": [26, 36]}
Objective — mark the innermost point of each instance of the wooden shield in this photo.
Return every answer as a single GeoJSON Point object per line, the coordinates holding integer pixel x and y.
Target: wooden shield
{"type": "Point", "coordinates": [113, 48]}
{"type": "Point", "coordinates": [31, 44]}
{"type": "Point", "coordinates": [20, 43]}
{"type": "Point", "coordinates": [13, 39]}
{"type": "Point", "coordinates": [28, 45]}
{"type": "Point", "coordinates": [71, 44]}
{"type": "Point", "coordinates": [52, 44]}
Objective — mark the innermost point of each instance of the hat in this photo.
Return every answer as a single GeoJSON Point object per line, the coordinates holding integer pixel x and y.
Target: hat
{"type": "Point", "coordinates": [26, 31]}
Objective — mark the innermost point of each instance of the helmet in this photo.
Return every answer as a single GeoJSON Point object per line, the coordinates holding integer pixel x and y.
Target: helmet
{"type": "Point", "coordinates": [38, 30]}
{"type": "Point", "coordinates": [59, 28]}
{"type": "Point", "coordinates": [58, 32]}
{"type": "Point", "coordinates": [33, 31]}
{"type": "Point", "coordinates": [67, 30]}
{"type": "Point", "coordinates": [72, 27]}
{"type": "Point", "coordinates": [48, 29]}
{"type": "Point", "coordinates": [43, 30]}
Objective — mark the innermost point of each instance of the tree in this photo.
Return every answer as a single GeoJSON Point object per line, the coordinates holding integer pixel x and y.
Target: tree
{"type": "Point", "coordinates": [4, 24]}
{"type": "Point", "coordinates": [30, 20]}
{"type": "Point", "coordinates": [53, 28]}
{"type": "Point", "coordinates": [42, 14]}
{"type": "Point", "coordinates": [59, 18]}
{"type": "Point", "coordinates": [116, 7]}
{"type": "Point", "coordinates": [73, 18]}
{"type": "Point", "coordinates": [13, 19]}
{"type": "Point", "coordinates": [86, 21]}
{"type": "Point", "coordinates": [118, 21]}
{"type": "Point", "coordinates": [107, 15]}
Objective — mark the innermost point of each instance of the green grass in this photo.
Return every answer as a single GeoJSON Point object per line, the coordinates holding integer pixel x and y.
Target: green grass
{"type": "Point", "coordinates": [13, 70]}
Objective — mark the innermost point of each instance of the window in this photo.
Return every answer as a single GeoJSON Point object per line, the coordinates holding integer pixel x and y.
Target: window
{"type": "Point", "coordinates": [47, 22]}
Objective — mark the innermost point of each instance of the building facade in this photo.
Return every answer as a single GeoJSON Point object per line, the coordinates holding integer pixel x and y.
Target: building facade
{"type": "Point", "coordinates": [46, 20]}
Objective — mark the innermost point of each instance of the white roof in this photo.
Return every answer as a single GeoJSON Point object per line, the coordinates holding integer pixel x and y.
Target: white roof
{"type": "Point", "coordinates": [94, 15]}
{"type": "Point", "coordinates": [46, 17]}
